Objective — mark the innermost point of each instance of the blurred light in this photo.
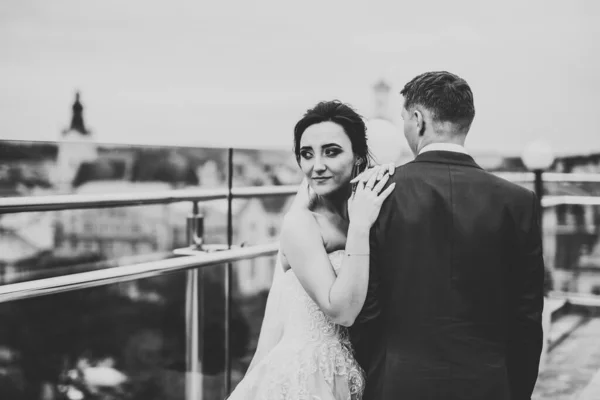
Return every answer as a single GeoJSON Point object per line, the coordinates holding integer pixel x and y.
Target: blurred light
{"type": "Point", "coordinates": [103, 376]}
{"type": "Point", "coordinates": [538, 155]}
{"type": "Point", "coordinates": [386, 142]}
{"type": "Point", "coordinates": [75, 394]}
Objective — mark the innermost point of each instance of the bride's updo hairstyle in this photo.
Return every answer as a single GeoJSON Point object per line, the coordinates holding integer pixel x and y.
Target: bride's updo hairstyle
{"type": "Point", "coordinates": [343, 115]}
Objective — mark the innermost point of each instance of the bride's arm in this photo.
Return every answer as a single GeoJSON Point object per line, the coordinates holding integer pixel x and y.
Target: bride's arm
{"type": "Point", "coordinates": [339, 296]}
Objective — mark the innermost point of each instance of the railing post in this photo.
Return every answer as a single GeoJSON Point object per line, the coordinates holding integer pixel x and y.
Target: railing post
{"type": "Point", "coordinates": [538, 188]}
{"type": "Point", "coordinates": [228, 275]}
{"type": "Point", "coordinates": [194, 332]}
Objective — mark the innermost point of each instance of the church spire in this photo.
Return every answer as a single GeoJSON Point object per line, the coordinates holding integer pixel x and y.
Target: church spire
{"type": "Point", "coordinates": [77, 123]}
{"type": "Point", "coordinates": [381, 91]}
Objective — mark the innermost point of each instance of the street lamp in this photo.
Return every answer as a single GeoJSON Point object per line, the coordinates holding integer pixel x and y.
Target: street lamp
{"type": "Point", "coordinates": [537, 157]}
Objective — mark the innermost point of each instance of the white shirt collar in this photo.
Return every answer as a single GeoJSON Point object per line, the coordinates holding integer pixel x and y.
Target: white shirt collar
{"type": "Point", "coordinates": [457, 148]}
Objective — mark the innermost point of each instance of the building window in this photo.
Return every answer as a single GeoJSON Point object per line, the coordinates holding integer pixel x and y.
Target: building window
{"type": "Point", "coordinates": [272, 231]}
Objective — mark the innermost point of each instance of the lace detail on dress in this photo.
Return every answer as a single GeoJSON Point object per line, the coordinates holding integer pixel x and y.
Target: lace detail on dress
{"type": "Point", "coordinates": [314, 359]}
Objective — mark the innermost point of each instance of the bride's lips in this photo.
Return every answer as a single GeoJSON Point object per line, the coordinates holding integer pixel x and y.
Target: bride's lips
{"type": "Point", "coordinates": [321, 179]}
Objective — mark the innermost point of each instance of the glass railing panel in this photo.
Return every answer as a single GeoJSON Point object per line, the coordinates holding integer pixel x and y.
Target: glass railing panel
{"type": "Point", "coordinates": [258, 221]}
{"type": "Point", "coordinates": [212, 331]}
{"type": "Point", "coordinates": [251, 283]}
{"type": "Point", "coordinates": [120, 341]}
{"type": "Point", "coordinates": [45, 244]}
{"type": "Point", "coordinates": [572, 247]}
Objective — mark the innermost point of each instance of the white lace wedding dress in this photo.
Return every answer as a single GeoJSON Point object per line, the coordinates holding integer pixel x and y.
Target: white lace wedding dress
{"type": "Point", "coordinates": [301, 354]}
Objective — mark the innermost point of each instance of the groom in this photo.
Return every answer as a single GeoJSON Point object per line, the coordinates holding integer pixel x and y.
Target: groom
{"type": "Point", "coordinates": [455, 295]}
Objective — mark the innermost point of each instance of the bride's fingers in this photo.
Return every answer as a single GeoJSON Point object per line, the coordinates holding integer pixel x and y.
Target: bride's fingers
{"type": "Point", "coordinates": [380, 172]}
{"type": "Point", "coordinates": [383, 195]}
{"type": "Point", "coordinates": [381, 183]}
{"type": "Point", "coordinates": [364, 176]}
{"type": "Point", "coordinates": [391, 168]}
{"type": "Point", "coordinates": [385, 169]}
{"type": "Point", "coordinates": [358, 177]}
{"type": "Point", "coordinates": [370, 184]}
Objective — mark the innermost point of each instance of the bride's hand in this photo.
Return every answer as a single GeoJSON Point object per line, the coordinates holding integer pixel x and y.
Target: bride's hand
{"type": "Point", "coordinates": [378, 170]}
{"type": "Point", "coordinates": [366, 200]}
{"type": "Point", "coordinates": [304, 196]}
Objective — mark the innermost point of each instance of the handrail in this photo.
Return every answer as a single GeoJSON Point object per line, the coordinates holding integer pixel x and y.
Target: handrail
{"type": "Point", "coordinates": [83, 280]}
{"type": "Point", "coordinates": [263, 191]}
{"type": "Point", "coordinates": [10, 205]}
{"type": "Point", "coordinates": [577, 299]}
{"type": "Point", "coordinates": [587, 177]}
{"type": "Point", "coordinates": [524, 177]}
{"type": "Point", "coordinates": [552, 201]}
{"type": "Point", "coordinates": [82, 201]}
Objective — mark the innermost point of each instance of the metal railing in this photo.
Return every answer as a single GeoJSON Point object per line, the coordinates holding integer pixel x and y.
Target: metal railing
{"type": "Point", "coordinates": [577, 299]}
{"type": "Point", "coordinates": [10, 205]}
{"type": "Point", "coordinates": [84, 280]}
{"type": "Point", "coordinates": [528, 177]}
{"type": "Point", "coordinates": [552, 201]}
{"type": "Point", "coordinates": [193, 263]}
{"type": "Point", "coordinates": [82, 201]}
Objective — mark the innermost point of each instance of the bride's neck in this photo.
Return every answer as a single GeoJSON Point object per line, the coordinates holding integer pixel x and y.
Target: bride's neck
{"type": "Point", "coordinates": [336, 202]}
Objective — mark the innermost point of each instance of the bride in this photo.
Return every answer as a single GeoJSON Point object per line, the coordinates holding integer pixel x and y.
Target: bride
{"type": "Point", "coordinates": [322, 273]}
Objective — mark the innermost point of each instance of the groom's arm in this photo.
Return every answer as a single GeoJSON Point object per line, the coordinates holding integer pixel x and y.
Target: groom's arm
{"type": "Point", "coordinates": [525, 319]}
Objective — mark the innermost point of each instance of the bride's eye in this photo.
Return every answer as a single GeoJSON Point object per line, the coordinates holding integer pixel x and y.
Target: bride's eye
{"type": "Point", "coordinates": [305, 154]}
{"type": "Point", "coordinates": [332, 152]}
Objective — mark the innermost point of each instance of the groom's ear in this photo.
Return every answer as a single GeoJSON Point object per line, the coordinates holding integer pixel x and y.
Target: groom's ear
{"type": "Point", "coordinates": [420, 122]}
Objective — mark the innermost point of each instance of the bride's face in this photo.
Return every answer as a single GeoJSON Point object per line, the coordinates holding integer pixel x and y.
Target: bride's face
{"type": "Point", "coordinates": [326, 157]}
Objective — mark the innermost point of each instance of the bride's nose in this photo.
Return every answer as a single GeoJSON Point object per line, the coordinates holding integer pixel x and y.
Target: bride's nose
{"type": "Point", "coordinates": [319, 165]}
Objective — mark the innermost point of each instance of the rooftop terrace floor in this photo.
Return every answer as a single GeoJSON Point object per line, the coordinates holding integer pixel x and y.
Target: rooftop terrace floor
{"type": "Point", "coordinates": [573, 367]}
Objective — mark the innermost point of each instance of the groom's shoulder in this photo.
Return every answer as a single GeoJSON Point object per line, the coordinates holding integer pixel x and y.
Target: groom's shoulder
{"type": "Point", "coordinates": [507, 185]}
{"type": "Point", "coordinates": [412, 171]}
{"type": "Point", "coordinates": [512, 194]}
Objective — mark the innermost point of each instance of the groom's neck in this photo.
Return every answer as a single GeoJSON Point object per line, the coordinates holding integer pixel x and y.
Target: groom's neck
{"type": "Point", "coordinates": [450, 139]}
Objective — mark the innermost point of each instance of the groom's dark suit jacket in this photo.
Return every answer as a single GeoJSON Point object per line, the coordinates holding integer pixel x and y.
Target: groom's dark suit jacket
{"type": "Point", "coordinates": [456, 289]}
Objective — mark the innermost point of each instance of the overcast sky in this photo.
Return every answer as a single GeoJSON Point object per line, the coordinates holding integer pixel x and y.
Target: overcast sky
{"type": "Point", "coordinates": [241, 73]}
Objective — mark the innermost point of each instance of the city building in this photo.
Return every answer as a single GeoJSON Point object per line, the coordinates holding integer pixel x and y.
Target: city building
{"type": "Point", "coordinates": [384, 130]}
{"type": "Point", "coordinates": [23, 236]}
{"type": "Point", "coordinates": [118, 231]}
{"type": "Point", "coordinates": [76, 146]}
{"type": "Point", "coordinates": [255, 221]}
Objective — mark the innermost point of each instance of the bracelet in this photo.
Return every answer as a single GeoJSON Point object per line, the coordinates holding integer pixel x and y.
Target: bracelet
{"type": "Point", "coordinates": [357, 254]}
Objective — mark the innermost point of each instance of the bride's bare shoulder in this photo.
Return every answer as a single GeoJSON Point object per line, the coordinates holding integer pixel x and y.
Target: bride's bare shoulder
{"type": "Point", "coordinates": [300, 228]}
{"type": "Point", "coordinates": [298, 221]}
{"type": "Point", "coordinates": [302, 221]}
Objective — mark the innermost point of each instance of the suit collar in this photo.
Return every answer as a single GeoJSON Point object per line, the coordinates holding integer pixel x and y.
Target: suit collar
{"type": "Point", "coordinates": [444, 147]}
{"type": "Point", "coordinates": [447, 157]}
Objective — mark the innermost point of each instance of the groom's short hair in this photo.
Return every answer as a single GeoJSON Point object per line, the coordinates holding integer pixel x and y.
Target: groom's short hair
{"type": "Point", "coordinates": [447, 96]}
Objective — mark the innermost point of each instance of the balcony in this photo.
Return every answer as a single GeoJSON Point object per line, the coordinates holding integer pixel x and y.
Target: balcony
{"type": "Point", "coordinates": [183, 324]}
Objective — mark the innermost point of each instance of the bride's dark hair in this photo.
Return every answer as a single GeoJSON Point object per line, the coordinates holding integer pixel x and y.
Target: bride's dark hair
{"type": "Point", "coordinates": [343, 115]}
